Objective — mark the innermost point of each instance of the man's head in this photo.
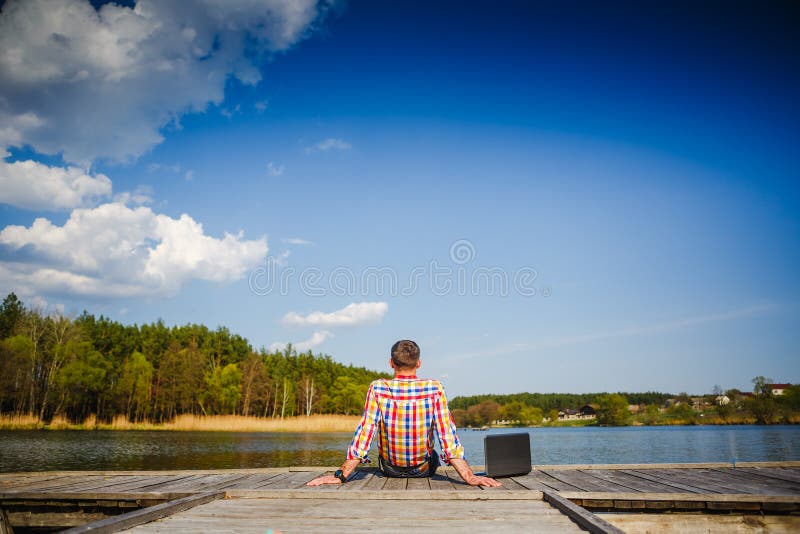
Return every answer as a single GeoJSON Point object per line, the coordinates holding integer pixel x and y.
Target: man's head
{"type": "Point", "coordinates": [405, 355]}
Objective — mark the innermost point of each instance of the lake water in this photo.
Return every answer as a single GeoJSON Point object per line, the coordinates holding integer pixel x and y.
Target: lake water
{"type": "Point", "coordinates": [129, 450]}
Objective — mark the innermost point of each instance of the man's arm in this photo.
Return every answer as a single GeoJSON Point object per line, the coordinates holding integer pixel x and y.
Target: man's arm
{"type": "Point", "coordinates": [452, 448]}
{"type": "Point", "coordinates": [359, 447]}
{"type": "Point", "coordinates": [347, 469]}
{"type": "Point", "coordinates": [465, 472]}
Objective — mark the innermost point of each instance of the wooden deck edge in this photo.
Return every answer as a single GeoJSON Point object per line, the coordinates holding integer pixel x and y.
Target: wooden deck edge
{"type": "Point", "coordinates": [707, 497]}
{"type": "Point", "coordinates": [691, 502]}
{"type": "Point", "coordinates": [361, 495]}
{"type": "Point", "coordinates": [146, 515]}
{"type": "Point", "coordinates": [707, 465]}
{"type": "Point", "coordinates": [582, 517]}
{"type": "Point", "coordinates": [84, 496]}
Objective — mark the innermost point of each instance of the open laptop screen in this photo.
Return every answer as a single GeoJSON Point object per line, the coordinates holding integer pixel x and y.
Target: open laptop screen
{"type": "Point", "coordinates": [507, 454]}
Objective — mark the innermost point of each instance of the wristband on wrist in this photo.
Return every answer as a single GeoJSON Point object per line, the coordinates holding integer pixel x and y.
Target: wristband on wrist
{"type": "Point", "coordinates": [340, 475]}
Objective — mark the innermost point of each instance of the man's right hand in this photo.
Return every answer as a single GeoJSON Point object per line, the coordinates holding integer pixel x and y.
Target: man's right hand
{"type": "Point", "coordinates": [476, 480]}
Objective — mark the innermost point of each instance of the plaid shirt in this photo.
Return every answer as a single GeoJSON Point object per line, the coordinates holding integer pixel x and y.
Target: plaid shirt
{"type": "Point", "coordinates": [406, 410]}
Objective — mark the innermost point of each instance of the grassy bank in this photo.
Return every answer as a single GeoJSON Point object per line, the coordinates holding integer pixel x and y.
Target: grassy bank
{"type": "Point", "coordinates": [183, 423]}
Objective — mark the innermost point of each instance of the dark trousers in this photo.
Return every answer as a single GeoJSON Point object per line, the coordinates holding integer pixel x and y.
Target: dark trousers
{"type": "Point", "coordinates": [423, 470]}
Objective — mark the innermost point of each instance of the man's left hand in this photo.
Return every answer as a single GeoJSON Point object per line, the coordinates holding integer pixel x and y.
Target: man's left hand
{"type": "Point", "coordinates": [325, 479]}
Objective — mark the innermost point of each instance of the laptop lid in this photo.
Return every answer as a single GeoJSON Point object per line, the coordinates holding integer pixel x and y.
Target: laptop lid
{"type": "Point", "coordinates": [507, 454]}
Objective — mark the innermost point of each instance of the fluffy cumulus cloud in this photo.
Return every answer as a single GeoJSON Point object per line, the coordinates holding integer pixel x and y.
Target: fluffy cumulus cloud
{"type": "Point", "coordinates": [114, 250]}
{"type": "Point", "coordinates": [354, 314]}
{"type": "Point", "coordinates": [316, 339]}
{"type": "Point", "coordinates": [32, 185]}
{"type": "Point", "coordinates": [102, 83]}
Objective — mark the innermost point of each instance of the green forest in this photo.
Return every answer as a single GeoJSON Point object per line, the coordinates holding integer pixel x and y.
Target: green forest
{"type": "Point", "coordinates": [53, 365]}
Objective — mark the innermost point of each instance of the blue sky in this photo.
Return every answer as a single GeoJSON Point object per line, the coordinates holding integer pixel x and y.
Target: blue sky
{"type": "Point", "coordinates": [640, 160]}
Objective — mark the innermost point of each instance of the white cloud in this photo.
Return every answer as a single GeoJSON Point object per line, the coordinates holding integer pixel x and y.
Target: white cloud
{"type": "Point", "coordinates": [114, 250]}
{"type": "Point", "coordinates": [188, 175]}
{"type": "Point", "coordinates": [330, 143]}
{"type": "Point", "coordinates": [101, 83]}
{"type": "Point", "coordinates": [317, 338]}
{"type": "Point", "coordinates": [143, 194]}
{"type": "Point", "coordinates": [297, 241]}
{"type": "Point", "coordinates": [261, 106]}
{"type": "Point", "coordinates": [351, 315]}
{"type": "Point", "coordinates": [274, 170]}
{"type": "Point", "coordinates": [32, 185]}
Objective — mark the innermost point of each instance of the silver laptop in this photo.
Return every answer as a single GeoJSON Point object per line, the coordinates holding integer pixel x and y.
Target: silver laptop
{"type": "Point", "coordinates": [507, 454]}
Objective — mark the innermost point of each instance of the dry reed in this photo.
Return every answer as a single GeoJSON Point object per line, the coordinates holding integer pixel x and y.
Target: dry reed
{"type": "Point", "coordinates": [212, 423]}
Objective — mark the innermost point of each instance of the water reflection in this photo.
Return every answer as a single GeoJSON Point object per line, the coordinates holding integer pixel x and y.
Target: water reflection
{"type": "Point", "coordinates": [38, 451]}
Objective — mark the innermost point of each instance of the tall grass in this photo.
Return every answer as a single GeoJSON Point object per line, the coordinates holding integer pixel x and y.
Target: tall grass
{"type": "Point", "coordinates": [212, 423]}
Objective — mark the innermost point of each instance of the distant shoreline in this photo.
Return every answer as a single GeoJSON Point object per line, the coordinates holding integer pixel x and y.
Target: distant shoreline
{"type": "Point", "coordinates": [313, 423]}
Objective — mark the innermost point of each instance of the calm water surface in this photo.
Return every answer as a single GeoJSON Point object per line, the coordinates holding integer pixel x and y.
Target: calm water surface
{"type": "Point", "coordinates": [128, 450]}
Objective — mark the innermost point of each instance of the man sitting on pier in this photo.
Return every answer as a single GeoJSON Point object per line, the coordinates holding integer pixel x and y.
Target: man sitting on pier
{"type": "Point", "coordinates": [406, 411]}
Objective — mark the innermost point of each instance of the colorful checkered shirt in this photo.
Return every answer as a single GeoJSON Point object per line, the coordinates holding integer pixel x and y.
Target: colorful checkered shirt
{"type": "Point", "coordinates": [406, 410]}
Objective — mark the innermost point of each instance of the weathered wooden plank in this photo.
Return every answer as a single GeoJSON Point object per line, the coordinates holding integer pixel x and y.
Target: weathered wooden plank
{"type": "Point", "coordinates": [693, 497]}
{"type": "Point", "coordinates": [762, 484]}
{"type": "Point", "coordinates": [531, 483]}
{"type": "Point", "coordinates": [701, 465]}
{"type": "Point", "coordinates": [547, 480]}
{"type": "Point", "coordinates": [628, 480]}
{"type": "Point", "coordinates": [791, 475]}
{"type": "Point", "coordinates": [508, 484]}
{"type": "Point", "coordinates": [252, 481]}
{"type": "Point", "coordinates": [357, 481]}
{"type": "Point", "coordinates": [376, 483]}
{"type": "Point", "coordinates": [272, 480]}
{"type": "Point", "coordinates": [660, 477]}
{"type": "Point", "coordinates": [580, 516]}
{"type": "Point", "coordinates": [296, 480]}
{"type": "Point", "coordinates": [419, 484]}
{"type": "Point", "coordinates": [31, 481]}
{"type": "Point", "coordinates": [101, 484]}
{"type": "Point", "coordinates": [743, 483]}
{"type": "Point", "coordinates": [543, 525]}
{"type": "Point", "coordinates": [182, 483]}
{"type": "Point", "coordinates": [704, 478]}
{"type": "Point", "coordinates": [144, 515]}
{"type": "Point", "coordinates": [440, 482]}
{"type": "Point", "coordinates": [585, 481]}
{"type": "Point", "coordinates": [370, 495]}
{"type": "Point", "coordinates": [50, 520]}
{"type": "Point", "coordinates": [395, 483]}
{"type": "Point", "coordinates": [681, 523]}
{"type": "Point", "coordinates": [317, 515]}
{"type": "Point", "coordinates": [73, 484]}
{"type": "Point", "coordinates": [45, 483]}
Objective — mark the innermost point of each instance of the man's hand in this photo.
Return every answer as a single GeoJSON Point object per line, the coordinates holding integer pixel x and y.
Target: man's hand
{"type": "Point", "coordinates": [325, 479]}
{"type": "Point", "coordinates": [476, 480]}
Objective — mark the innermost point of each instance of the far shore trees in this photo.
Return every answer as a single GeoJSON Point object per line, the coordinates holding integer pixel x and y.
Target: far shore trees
{"type": "Point", "coordinates": [78, 368]}
{"type": "Point", "coordinates": [612, 410]}
{"type": "Point", "coordinates": [52, 365]}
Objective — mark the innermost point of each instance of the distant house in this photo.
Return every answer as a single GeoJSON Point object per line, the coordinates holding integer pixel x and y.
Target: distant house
{"type": "Point", "coordinates": [778, 389]}
{"type": "Point", "coordinates": [588, 410]}
{"type": "Point", "coordinates": [699, 402]}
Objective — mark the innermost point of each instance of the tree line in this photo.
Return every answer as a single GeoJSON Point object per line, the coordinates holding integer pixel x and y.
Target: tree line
{"type": "Point", "coordinates": [54, 365]}
{"type": "Point", "coordinates": [615, 409]}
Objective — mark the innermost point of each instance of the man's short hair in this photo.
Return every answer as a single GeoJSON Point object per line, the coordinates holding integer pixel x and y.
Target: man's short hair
{"type": "Point", "coordinates": [405, 354]}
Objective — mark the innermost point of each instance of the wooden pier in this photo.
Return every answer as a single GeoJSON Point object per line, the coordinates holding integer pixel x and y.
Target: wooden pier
{"type": "Point", "coordinates": [597, 498]}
